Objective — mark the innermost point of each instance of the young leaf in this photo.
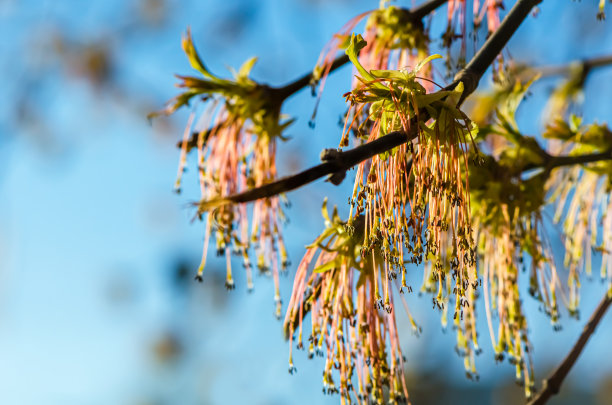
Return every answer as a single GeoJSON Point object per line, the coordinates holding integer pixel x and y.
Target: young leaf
{"type": "Point", "coordinates": [194, 58]}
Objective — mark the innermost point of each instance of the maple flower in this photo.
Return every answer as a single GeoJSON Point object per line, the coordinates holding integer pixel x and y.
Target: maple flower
{"type": "Point", "coordinates": [235, 138]}
{"type": "Point", "coordinates": [582, 195]}
{"type": "Point", "coordinates": [508, 210]}
{"type": "Point", "coordinates": [411, 205]}
{"type": "Point", "coordinates": [509, 224]}
{"type": "Point", "coordinates": [357, 335]}
{"type": "Point", "coordinates": [412, 196]}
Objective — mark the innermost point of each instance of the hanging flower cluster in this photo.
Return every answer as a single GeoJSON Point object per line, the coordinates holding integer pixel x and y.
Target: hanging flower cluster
{"type": "Point", "coordinates": [509, 224]}
{"type": "Point", "coordinates": [394, 40]}
{"type": "Point", "coordinates": [338, 286]}
{"type": "Point", "coordinates": [235, 141]}
{"type": "Point", "coordinates": [409, 205]}
{"type": "Point", "coordinates": [414, 198]}
{"type": "Point", "coordinates": [508, 206]}
{"type": "Point", "coordinates": [507, 212]}
{"type": "Point", "coordinates": [583, 195]}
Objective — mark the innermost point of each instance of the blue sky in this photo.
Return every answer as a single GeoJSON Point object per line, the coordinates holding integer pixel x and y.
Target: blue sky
{"type": "Point", "coordinates": [91, 234]}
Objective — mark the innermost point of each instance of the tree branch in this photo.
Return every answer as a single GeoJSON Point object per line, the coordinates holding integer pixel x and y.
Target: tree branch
{"type": "Point", "coordinates": [552, 162]}
{"type": "Point", "coordinates": [335, 164]}
{"type": "Point", "coordinates": [298, 84]}
{"type": "Point", "coordinates": [341, 161]}
{"type": "Point", "coordinates": [557, 161]}
{"type": "Point", "coordinates": [586, 64]}
{"type": "Point", "coordinates": [553, 383]}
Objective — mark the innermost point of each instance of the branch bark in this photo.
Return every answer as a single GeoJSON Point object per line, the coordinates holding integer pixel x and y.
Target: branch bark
{"type": "Point", "coordinates": [553, 383]}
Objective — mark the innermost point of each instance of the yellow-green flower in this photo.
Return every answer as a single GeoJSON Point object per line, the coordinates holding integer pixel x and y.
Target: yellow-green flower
{"type": "Point", "coordinates": [235, 139]}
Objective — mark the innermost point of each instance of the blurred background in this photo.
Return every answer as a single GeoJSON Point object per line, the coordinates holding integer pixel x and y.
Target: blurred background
{"type": "Point", "coordinates": [97, 255]}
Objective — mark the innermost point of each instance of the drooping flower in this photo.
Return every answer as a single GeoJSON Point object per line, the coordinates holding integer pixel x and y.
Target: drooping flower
{"type": "Point", "coordinates": [414, 198]}
{"type": "Point", "coordinates": [583, 196]}
{"type": "Point", "coordinates": [235, 138]}
{"type": "Point", "coordinates": [508, 208]}
{"type": "Point", "coordinates": [412, 203]}
{"type": "Point", "coordinates": [509, 225]}
{"type": "Point", "coordinates": [358, 337]}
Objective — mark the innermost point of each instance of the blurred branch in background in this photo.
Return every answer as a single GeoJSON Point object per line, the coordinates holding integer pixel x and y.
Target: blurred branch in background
{"type": "Point", "coordinates": [552, 384]}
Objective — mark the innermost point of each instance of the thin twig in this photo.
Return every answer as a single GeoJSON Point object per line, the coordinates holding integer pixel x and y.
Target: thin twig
{"type": "Point", "coordinates": [335, 164]}
{"type": "Point", "coordinates": [558, 161]}
{"type": "Point", "coordinates": [552, 162]}
{"type": "Point", "coordinates": [342, 161]}
{"type": "Point", "coordinates": [304, 81]}
{"type": "Point", "coordinates": [586, 64]}
{"type": "Point", "coordinates": [553, 383]}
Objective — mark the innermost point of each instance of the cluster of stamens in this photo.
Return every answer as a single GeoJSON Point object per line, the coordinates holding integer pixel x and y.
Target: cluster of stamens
{"type": "Point", "coordinates": [351, 327]}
